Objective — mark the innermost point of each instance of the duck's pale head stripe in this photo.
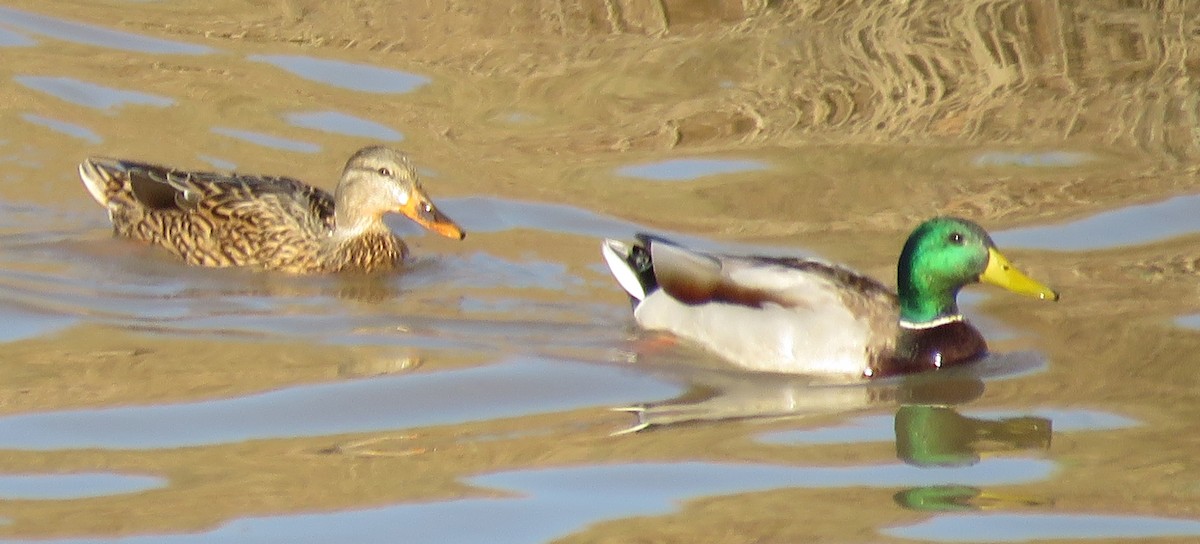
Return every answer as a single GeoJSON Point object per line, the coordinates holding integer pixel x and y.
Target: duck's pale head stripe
{"type": "Point", "coordinates": [932, 323]}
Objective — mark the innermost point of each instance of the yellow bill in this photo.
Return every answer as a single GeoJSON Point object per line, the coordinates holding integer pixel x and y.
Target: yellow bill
{"type": "Point", "coordinates": [1001, 273]}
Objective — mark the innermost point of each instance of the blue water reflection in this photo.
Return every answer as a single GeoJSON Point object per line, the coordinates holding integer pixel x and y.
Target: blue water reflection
{"type": "Point", "coordinates": [70, 129]}
{"type": "Point", "coordinates": [17, 322]}
{"type": "Point", "coordinates": [493, 214]}
{"type": "Point", "coordinates": [9, 38]}
{"type": "Point", "coordinates": [566, 500]}
{"type": "Point", "coordinates": [73, 486]}
{"type": "Point", "coordinates": [518, 387]}
{"type": "Point", "coordinates": [219, 163]}
{"type": "Point", "coordinates": [93, 35]}
{"type": "Point", "coordinates": [1028, 527]}
{"type": "Point", "coordinates": [689, 169]}
{"type": "Point", "coordinates": [346, 75]}
{"type": "Point", "coordinates": [341, 123]}
{"type": "Point", "coordinates": [268, 140]}
{"type": "Point", "coordinates": [89, 94]}
{"type": "Point", "coordinates": [1131, 225]}
{"type": "Point", "coordinates": [1044, 159]}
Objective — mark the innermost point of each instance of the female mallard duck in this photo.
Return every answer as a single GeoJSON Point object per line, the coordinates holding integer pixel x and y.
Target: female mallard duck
{"type": "Point", "coordinates": [806, 316]}
{"type": "Point", "coordinates": [276, 223]}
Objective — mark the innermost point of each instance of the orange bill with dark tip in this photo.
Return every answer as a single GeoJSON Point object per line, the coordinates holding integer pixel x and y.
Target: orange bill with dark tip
{"type": "Point", "coordinates": [421, 210]}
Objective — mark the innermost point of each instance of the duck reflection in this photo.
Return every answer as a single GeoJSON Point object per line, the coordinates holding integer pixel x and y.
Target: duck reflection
{"type": "Point", "coordinates": [718, 394]}
{"type": "Point", "coordinates": [368, 289]}
{"type": "Point", "coordinates": [939, 436]}
{"type": "Point", "coordinates": [929, 430]}
{"type": "Point", "coordinates": [959, 498]}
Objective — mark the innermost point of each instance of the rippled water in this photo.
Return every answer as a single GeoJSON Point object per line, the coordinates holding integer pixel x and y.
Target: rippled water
{"type": "Point", "coordinates": [688, 169]}
{"type": "Point", "coordinates": [352, 76]}
{"type": "Point", "coordinates": [496, 390]}
{"type": "Point", "coordinates": [1127, 226]}
{"type": "Point", "coordinates": [89, 94]}
{"type": "Point", "coordinates": [72, 486]}
{"type": "Point", "coordinates": [63, 127]}
{"type": "Point", "coordinates": [268, 140]}
{"type": "Point", "coordinates": [94, 35]}
{"type": "Point", "coordinates": [340, 123]}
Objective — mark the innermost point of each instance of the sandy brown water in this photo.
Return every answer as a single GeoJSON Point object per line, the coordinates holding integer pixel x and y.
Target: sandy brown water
{"type": "Point", "coordinates": [468, 400]}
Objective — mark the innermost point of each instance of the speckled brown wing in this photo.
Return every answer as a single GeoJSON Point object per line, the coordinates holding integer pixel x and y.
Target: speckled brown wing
{"type": "Point", "coordinates": [213, 219]}
{"type": "Point", "coordinates": [188, 190]}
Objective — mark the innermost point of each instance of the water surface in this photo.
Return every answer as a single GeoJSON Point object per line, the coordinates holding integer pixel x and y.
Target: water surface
{"type": "Point", "coordinates": [480, 394]}
{"type": "Point", "coordinates": [93, 35]}
{"type": "Point", "coordinates": [1128, 226]}
{"type": "Point", "coordinates": [64, 127]}
{"type": "Point", "coordinates": [340, 123]}
{"type": "Point", "coordinates": [268, 140]}
{"type": "Point", "coordinates": [9, 38]}
{"type": "Point", "coordinates": [375, 404]}
{"type": "Point", "coordinates": [90, 94]}
{"type": "Point", "coordinates": [689, 169]}
{"type": "Point", "coordinates": [1025, 528]}
{"type": "Point", "coordinates": [42, 487]}
{"type": "Point", "coordinates": [347, 75]}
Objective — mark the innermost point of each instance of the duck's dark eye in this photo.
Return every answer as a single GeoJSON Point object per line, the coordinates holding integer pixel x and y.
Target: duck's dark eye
{"type": "Point", "coordinates": [385, 172]}
{"type": "Point", "coordinates": [956, 238]}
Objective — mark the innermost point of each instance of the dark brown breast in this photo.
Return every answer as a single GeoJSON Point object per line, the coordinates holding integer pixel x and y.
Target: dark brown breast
{"type": "Point", "coordinates": [920, 350]}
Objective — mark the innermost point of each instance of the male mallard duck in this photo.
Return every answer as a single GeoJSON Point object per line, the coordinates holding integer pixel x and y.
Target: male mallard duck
{"type": "Point", "coordinates": [276, 223]}
{"type": "Point", "coordinates": [806, 316]}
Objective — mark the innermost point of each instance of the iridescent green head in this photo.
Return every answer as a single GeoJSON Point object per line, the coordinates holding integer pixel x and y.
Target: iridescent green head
{"type": "Point", "coordinates": [941, 256]}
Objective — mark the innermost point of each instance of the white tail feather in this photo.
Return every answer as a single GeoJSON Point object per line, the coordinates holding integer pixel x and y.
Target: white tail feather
{"type": "Point", "coordinates": [94, 181]}
{"type": "Point", "coordinates": [615, 254]}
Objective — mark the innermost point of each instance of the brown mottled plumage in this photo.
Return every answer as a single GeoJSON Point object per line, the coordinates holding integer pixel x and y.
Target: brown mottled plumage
{"type": "Point", "coordinates": [276, 223]}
